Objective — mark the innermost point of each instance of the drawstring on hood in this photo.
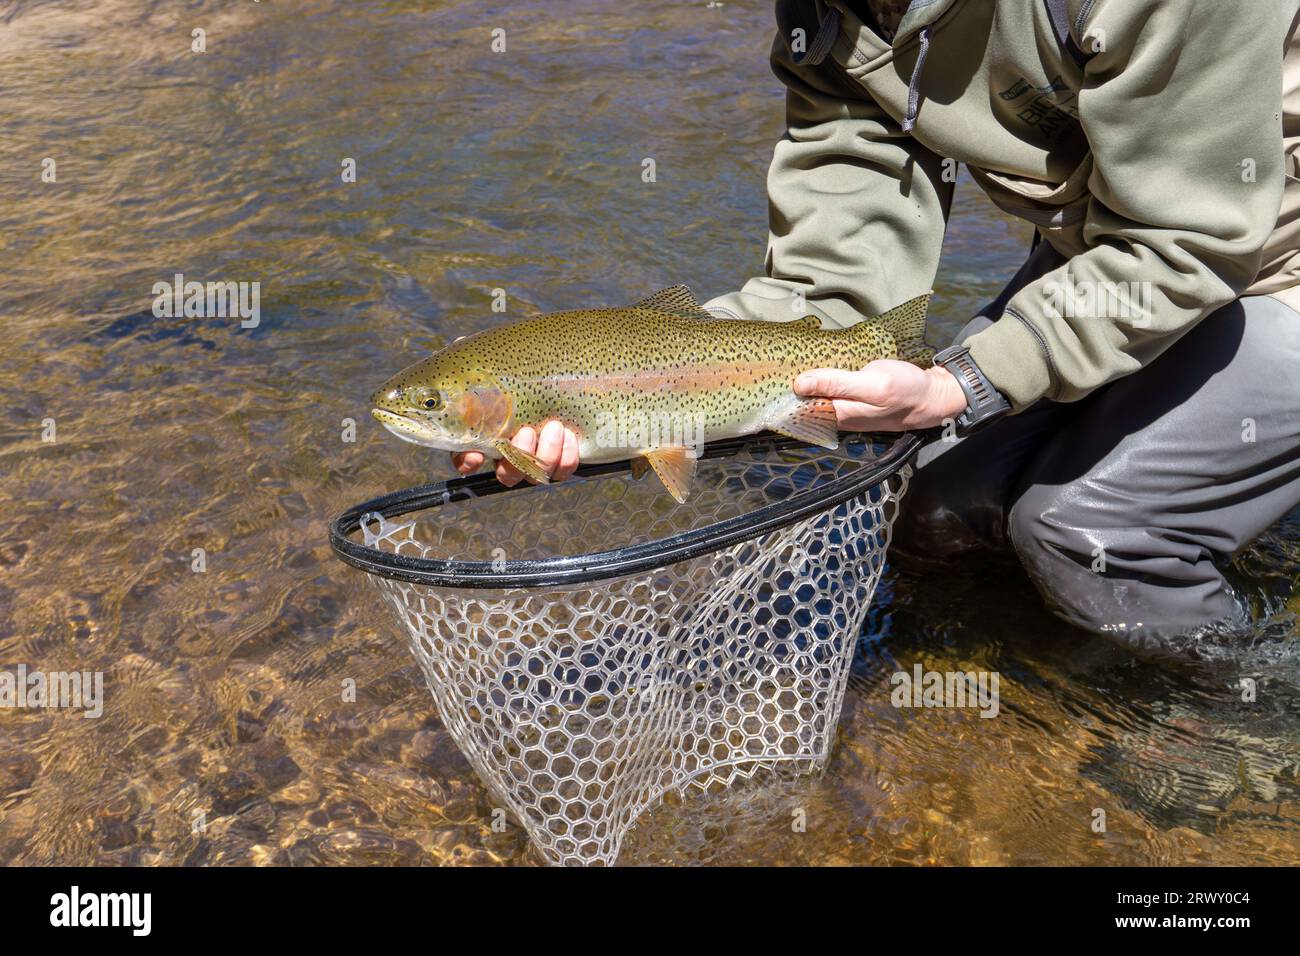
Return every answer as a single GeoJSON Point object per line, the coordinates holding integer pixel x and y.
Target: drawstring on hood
{"type": "Point", "coordinates": [829, 30]}
{"type": "Point", "coordinates": [821, 45]}
{"type": "Point", "coordinates": [914, 84]}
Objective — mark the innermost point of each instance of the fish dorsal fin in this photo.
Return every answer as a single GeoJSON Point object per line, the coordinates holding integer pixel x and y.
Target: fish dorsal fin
{"type": "Point", "coordinates": [675, 300]}
{"type": "Point", "coordinates": [675, 466]}
{"type": "Point", "coordinates": [906, 323]}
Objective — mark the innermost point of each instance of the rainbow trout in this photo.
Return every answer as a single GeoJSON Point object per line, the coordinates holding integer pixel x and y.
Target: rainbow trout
{"type": "Point", "coordinates": [651, 382]}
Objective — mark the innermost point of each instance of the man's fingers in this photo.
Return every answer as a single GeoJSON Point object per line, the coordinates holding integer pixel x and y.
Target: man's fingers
{"type": "Point", "coordinates": [467, 462]}
{"type": "Point", "coordinates": [508, 474]}
{"type": "Point", "coordinates": [861, 417]}
{"type": "Point", "coordinates": [553, 444]}
{"type": "Point", "coordinates": [868, 386]}
{"type": "Point", "coordinates": [526, 440]}
{"type": "Point", "coordinates": [828, 383]}
{"type": "Point", "coordinates": [568, 456]}
{"type": "Point", "coordinates": [550, 443]}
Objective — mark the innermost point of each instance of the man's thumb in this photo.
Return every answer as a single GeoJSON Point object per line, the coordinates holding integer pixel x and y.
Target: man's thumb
{"type": "Point", "coordinates": [824, 383]}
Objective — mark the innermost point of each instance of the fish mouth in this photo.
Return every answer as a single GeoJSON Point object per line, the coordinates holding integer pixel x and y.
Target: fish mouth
{"type": "Point", "coordinates": [414, 430]}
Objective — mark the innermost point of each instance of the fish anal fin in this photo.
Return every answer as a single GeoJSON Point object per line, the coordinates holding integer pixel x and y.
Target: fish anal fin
{"type": "Point", "coordinates": [808, 419]}
{"type": "Point", "coordinates": [675, 466]}
{"type": "Point", "coordinates": [676, 300]}
{"type": "Point", "coordinates": [529, 465]}
{"type": "Point", "coordinates": [639, 467]}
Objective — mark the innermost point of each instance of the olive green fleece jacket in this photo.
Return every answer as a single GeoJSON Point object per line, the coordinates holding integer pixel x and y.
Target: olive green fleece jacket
{"type": "Point", "coordinates": [1160, 160]}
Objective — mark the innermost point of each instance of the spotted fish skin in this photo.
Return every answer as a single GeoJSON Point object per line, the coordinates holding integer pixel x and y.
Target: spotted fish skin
{"type": "Point", "coordinates": [605, 373]}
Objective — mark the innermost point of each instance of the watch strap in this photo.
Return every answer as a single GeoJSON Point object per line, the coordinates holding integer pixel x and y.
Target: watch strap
{"type": "Point", "coordinates": [983, 401]}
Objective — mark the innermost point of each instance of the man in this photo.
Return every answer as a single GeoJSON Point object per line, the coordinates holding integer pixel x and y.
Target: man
{"type": "Point", "coordinates": [1128, 409]}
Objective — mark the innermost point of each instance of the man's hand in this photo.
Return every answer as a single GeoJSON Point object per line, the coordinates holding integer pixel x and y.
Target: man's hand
{"type": "Point", "coordinates": [886, 396]}
{"type": "Point", "coordinates": [556, 446]}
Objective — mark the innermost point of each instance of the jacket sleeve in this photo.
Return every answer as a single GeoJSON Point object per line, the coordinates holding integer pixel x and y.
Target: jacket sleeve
{"type": "Point", "coordinates": [857, 207]}
{"type": "Point", "coordinates": [1182, 110]}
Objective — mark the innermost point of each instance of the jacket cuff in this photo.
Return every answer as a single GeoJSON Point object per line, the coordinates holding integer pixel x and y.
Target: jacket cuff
{"type": "Point", "coordinates": [771, 305]}
{"type": "Point", "coordinates": [1013, 359]}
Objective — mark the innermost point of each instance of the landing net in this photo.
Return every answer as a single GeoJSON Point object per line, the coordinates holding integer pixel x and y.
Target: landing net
{"type": "Point", "coordinates": [592, 645]}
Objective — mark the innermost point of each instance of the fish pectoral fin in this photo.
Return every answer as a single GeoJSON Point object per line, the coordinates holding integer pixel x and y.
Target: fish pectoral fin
{"type": "Point", "coordinates": [529, 465]}
{"type": "Point", "coordinates": [639, 467]}
{"type": "Point", "coordinates": [808, 419]}
{"type": "Point", "coordinates": [676, 300]}
{"type": "Point", "coordinates": [675, 466]}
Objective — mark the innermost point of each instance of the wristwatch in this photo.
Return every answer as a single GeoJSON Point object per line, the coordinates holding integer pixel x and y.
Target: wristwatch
{"type": "Point", "coordinates": [983, 402]}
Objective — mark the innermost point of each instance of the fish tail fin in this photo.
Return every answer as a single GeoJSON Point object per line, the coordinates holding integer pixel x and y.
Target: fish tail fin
{"type": "Point", "coordinates": [906, 323]}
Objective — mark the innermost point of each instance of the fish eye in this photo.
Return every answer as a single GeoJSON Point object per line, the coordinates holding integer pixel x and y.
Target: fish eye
{"type": "Point", "coordinates": [430, 400]}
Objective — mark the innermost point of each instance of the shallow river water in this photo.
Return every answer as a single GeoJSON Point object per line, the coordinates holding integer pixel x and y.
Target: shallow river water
{"type": "Point", "coordinates": [475, 171]}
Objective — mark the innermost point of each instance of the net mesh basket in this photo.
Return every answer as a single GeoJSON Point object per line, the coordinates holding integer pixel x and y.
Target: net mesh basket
{"type": "Point", "coordinates": [592, 645]}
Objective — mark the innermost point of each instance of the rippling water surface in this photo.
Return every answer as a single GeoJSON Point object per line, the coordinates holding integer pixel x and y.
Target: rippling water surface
{"type": "Point", "coordinates": [476, 171]}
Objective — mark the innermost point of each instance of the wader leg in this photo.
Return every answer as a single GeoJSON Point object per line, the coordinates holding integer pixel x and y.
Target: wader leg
{"type": "Point", "coordinates": [961, 491]}
{"type": "Point", "coordinates": [1121, 516]}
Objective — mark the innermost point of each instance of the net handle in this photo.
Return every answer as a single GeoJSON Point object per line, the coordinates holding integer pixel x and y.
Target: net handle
{"type": "Point", "coordinates": [568, 570]}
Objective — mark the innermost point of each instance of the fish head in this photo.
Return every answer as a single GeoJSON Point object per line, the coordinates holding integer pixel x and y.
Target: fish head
{"type": "Point", "coordinates": [443, 402]}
